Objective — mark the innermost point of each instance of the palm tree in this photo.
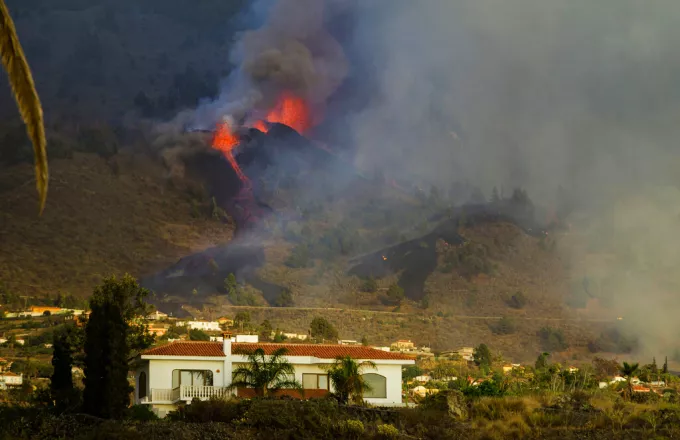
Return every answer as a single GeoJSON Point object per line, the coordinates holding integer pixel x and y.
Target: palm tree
{"type": "Point", "coordinates": [345, 375]}
{"type": "Point", "coordinates": [23, 89]}
{"type": "Point", "coordinates": [266, 373]}
{"type": "Point", "coordinates": [628, 371]}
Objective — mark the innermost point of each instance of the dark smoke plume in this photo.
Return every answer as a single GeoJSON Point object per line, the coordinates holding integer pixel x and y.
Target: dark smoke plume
{"type": "Point", "coordinates": [290, 52]}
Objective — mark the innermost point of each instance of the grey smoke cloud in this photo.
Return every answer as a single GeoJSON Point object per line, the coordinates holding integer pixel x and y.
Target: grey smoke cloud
{"type": "Point", "coordinates": [575, 93]}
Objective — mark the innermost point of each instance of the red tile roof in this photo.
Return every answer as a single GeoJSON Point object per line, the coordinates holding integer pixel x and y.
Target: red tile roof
{"type": "Point", "coordinates": [187, 348]}
{"type": "Point", "coordinates": [214, 349]}
{"type": "Point", "coordinates": [321, 351]}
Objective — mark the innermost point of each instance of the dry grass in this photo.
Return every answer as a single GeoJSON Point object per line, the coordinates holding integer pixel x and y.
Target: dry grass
{"type": "Point", "coordinates": [97, 221]}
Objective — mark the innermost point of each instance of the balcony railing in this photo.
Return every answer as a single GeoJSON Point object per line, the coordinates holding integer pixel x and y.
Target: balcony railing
{"type": "Point", "coordinates": [185, 392]}
{"type": "Point", "coordinates": [203, 392]}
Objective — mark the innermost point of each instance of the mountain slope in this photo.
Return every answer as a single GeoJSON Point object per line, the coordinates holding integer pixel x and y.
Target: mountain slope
{"type": "Point", "coordinates": [102, 217]}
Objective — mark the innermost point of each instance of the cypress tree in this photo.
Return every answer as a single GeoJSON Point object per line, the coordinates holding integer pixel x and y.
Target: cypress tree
{"type": "Point", "coordinates": [109, 338]}
{"type": "Point", "coordinates": [65, 343]}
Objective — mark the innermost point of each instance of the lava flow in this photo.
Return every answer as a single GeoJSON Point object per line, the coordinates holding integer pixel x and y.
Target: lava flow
{"type": "Point", "coordinates": [225, 140]}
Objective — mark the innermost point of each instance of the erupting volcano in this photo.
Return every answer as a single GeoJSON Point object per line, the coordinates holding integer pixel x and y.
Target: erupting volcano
{"type": "Point", "coordinates": [292, 111]}
{"type": "Point", "coordinates": [225, 140]}
{"type": "Point", "coordinates": [289, 110]}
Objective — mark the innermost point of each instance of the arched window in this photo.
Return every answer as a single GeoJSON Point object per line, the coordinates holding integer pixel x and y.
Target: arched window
{"type": "Point", "coordinates": [141, 388]}
{"type": "Point", "coordinates": [378, 385]}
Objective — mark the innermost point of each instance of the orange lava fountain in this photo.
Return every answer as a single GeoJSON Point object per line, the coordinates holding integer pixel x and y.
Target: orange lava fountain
{"type": "Point", "coordinates": [225, 140]}
{"type": "Point", "coordinates": [289, 110]}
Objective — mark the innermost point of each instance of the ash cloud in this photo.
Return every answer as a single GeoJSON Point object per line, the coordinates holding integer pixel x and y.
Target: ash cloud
{"type": "Point", "coordinates": [583, 95]}
{"type": "Point", "coordinates": [291, 51]}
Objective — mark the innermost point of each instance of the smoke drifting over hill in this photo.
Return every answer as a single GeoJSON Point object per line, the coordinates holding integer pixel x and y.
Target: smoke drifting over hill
{"type": "Point", "coordinates": [529, 93]}
{"type": "Point", "coordinates": [578, 94]}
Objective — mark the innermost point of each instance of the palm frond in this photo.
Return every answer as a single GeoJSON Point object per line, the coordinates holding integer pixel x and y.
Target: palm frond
{"type": "Point", "coordinates": [23, 89]}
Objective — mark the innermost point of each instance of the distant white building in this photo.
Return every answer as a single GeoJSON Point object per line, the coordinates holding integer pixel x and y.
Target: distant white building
{"type": "Point", "coordinates": [348, 342]}
{"type": "Point", "coordinates": [204, 325]}
{"type": "Point", "coordinates": [155, 316]}
{"type": "Point", "coordinates": [9, 379]}
{"type": "Point", "coordinates": [237, 338]}
{"type": "Point", "coordinates": [467, 353]}
{"type": "Point", "coordinates": [382, 348]}
{"type": "Point", "coordinates": [423, 378]}
{"type": "Point", "coordinates": [300, 336]}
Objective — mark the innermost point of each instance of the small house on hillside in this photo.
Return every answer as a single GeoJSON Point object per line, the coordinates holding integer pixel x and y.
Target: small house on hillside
{"type": "Point", "coordinates": [9, 379]}
{"type": "Point", "coordinates": [45, 310]}
{"type": "Point", "coordinates": [403, 344]}
{"type": "Point", "coordinates": [158, 330]}
{"type": "Point", "coordinates": [348, 342]}
{"type": "Point", "coordinates": [178, 372]}
{"type": "Point", "coordinates": [204, 325]}
{"type": "Point", "coordinates": [156, 315]}
{"type": "Point", "coordinates": [223, 320]}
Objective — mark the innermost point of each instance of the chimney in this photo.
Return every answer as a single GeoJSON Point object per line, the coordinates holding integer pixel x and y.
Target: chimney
{"type": "Point", "coordinates": [226, 349]}
{"type": "Point", "coordinates": [226, 343]}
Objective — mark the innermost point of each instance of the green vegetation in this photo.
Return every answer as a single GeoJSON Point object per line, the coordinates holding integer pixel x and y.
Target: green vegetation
{"type": "Point", "coordinates": [266, 374]}
{"type": "Point", "coordinates": [196, 334]}
{"type": "Point", "coordinates": [110, 336]}
{"type": "Point", "coordinates": [66, 344]}
{"type": "Point", "coordinates": [482, 357]}
{"type": "Point", "coordinates": [505, 326]}
{"type": "Point", "coordinates": [468, 260]}
{"type": "Point", "coordinates": [321, 329]}
{"type": "Point", "coordinates": [285, 299]}
{"type": "Point", "coordinates": [552, 339]}
{"type": "Point", "coordinates": [346, 375]}
{"type": "Point", "coordinates": [395, 294]}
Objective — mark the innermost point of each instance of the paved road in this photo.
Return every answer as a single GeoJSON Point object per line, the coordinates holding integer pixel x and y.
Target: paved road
{"type": "Point", "coordinates": [491, 318]}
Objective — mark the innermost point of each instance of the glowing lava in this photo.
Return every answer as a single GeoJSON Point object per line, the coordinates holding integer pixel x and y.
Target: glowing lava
{"type": "Point", "coordinates": [225, 140]}
{"type": "Point", "coordinates": [289, 110]}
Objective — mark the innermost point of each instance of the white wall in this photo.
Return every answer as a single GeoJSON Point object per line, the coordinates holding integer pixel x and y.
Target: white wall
{"type": "Point", "coordinates": [204, 325]}
{"type": "Point", "coordinates": [392, 375]}
{"type": "Point", "coordinates": [144, 368]}
{"type": "Point", "coordinates": [160, 371]}
{"type": "Point", "coordinates": [13, 380]}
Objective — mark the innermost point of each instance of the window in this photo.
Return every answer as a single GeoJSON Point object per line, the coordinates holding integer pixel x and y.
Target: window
{"type": "Point", "coordinates": [192, 378]}
{"type": "Point", "coordinates": [315, 381]}
{"type": "Point", "coordinates": [141, 388]}
{"type": "Point", "coordinates": [378, 385]}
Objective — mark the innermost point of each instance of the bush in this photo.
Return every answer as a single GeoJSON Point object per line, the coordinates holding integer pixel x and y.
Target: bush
{"type": "Point", "coordinates": [285, 299]}
{"type": "Point", "coordinates": [387, 431]}
{"type": "Point", "coordinates": [300, 257]}
{"type": "Point", "coordinates": [552, 339]}
{"type": "Point", "coordinates": [198, 335]}
{"type": "Point", "coordinates": [505, 326]}
{"type": "Point", "coordinates": [351, 429]}
{"type": "Point", "coordinates": [141, 413]}
{"type": "Point", "coordinates": [517, 301]}
{"type": "Point", "coordinates": [370, 285]}
{"type": "Point", "coordinates": [214, 410]}
{"type": "Point", "coordinates": [395, 294]}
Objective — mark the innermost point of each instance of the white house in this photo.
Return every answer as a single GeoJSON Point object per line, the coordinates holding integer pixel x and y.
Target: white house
{"type": "Point", "coordinates": [9, 379]}
{"type": "Point", "coordinates": [156, 315]}
{"type": "Point", "coordinates": [204, 325]}
{"type": "Point", "coordinates": [179, 371]}
{"type": "Point", "coordinates": [237, 338]}
{"type": "Point", "coordinates": [301, 336]}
